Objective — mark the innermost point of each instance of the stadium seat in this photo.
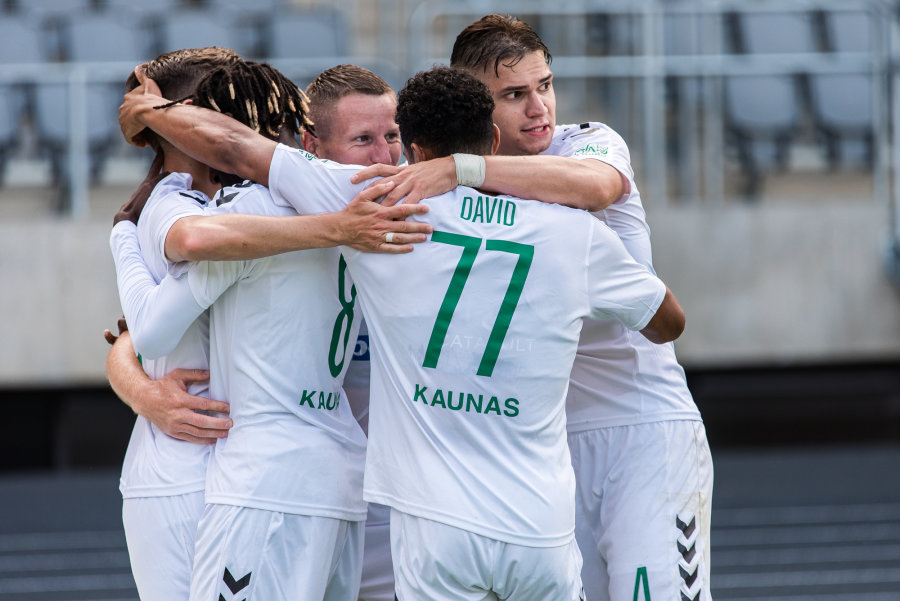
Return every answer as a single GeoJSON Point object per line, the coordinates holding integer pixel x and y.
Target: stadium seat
{"type": "Point", "coordinates": [54, 8]}
{"type": "Point", "coordinates": [293, 35]}
{"type": "Point", "coordinates": [763, 112]}
{"type": "Point", "coordinates": [97, 37]}
{"type": "Point", "coordinates": [842, 102]}
{"type": "Point", "coordinates": [196, 29]}
{"type": "Point", "coordinates": [682, 37]}
{"type": "Point", "coordinates": [19, 44]}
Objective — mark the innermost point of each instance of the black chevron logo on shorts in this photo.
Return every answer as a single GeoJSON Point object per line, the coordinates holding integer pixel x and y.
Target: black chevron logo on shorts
{"type": "Point", "coordinates": [688, 578]}
{"type": "Point", "coordinates": [688, 552]}
{"type": "Point", "coordinates": [687, 529]}
{"type": "Point", "coordinates": [686, 598]}
{"type": "Point", "coordinates": [235, 585]}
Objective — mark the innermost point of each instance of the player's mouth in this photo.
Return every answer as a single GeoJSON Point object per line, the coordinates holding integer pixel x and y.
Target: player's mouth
{"type": "Point", "coordinates": [540, 130]}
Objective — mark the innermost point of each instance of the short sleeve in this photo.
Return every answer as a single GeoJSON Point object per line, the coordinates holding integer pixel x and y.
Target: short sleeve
{"type": "Point", "coordinates": [308, 184]}
{"type": "Point", "coordinates": [598, 142]}
{"type": "Point", "coordinates": [618, 286]}
{"type": "Point", "coordinates": [172, 199]}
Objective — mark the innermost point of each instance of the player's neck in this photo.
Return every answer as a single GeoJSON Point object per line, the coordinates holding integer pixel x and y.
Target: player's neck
{"type": "Point", "coordinates": [176, 161]}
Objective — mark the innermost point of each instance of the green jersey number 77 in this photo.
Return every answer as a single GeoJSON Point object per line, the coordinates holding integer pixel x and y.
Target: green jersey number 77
{"type": "Point", "coordinates": [471, 246]}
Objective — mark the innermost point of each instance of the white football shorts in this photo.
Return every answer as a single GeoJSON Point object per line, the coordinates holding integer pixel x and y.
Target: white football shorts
{"type": "Point", "coordinates": [160, 533]}
{"type": "Point", "coordinates": [437, 562]}
{"type": "Point", "coordinates": [643, 499]}
{"type": "Point", "coordinates": [258, 555]}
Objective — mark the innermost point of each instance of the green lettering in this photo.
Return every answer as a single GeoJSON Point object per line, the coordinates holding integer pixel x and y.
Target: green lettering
{"type": "Point", "coordinates": [509, 213]}
{"type": "Point", "coordinates": [420, 394]}
{"type": "Point", "coordinates": [493, 405]}
{"type": "Point", "coordinates": [470, 401]}
{"type": "Point", "coordinates": [641, 578]}
{"type": "Point", "coordinates": [321, 399]}
{"type": "Point", "coordinates": [307, 397]}
{"type": "Point", "coordinates": [466, 204]}
{"type": "Point", "coordinates": [512, 407]}
{"type": "Point", "coordinates": [332, 402]}
{"type": "Point", "coordinates": [479, 210]}
{"type": "Point", "coordinates": [491, 208]}
{"type": "Point", "coordinates": [459, 397]}
{"type": "Point", "coordinates": [439, 399]}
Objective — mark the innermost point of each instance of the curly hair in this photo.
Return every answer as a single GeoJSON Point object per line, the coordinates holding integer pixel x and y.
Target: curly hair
{"type": "Point", "coordinates": [446, 110]}
{"type": "Point", "coordinates": [495, 40]}
{"type": "Point", "coordinates": [257, 95]}
{"type": "Point", "coordinates": [333, 84]}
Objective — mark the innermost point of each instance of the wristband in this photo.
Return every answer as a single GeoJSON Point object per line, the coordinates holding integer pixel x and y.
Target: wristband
{"type": "Point", "coordinates": [469, 169]}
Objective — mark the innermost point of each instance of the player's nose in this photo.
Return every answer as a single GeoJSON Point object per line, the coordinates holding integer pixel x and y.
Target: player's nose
{"type": "Point", "coordinates": [381, 153]}
{"type": "Point", "coordinates": [535, 106]}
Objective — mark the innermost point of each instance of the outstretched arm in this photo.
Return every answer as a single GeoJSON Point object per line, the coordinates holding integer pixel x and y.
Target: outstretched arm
{"type": "Point", "coordinates": [581, 184]}
{"type": "Point", "coordinates": [210, 137]}
{"type": "Point", "coordinates": [362, 225]}
{"type": "Point", "coordinates": [165, 402]}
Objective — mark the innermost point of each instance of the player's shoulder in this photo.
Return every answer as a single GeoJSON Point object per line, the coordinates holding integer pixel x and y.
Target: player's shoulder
{"type": "Point", "coordinates": [246, 197]}
{"type": "Point", "coordinates": [178, 184]}
{"type": "Point", "coordinates": [173, 194]}
{"type": "Point", "coordinates": [587, 128]}
{"type": "Point", "coordinates": [301, 156]}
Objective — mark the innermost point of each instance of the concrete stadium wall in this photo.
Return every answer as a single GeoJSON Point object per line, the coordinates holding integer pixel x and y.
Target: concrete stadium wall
{"type": "Point", "coordinates": [761, 285]}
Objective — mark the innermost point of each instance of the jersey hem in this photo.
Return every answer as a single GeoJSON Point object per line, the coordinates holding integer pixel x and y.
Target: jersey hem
{"type": "Point", "coordinates": [599, 424]}
{"type": "Point", "coordinates": [315, 511]}
{"type": "Point", "coordinates": [556, 540]}
{"type": "Point", "coordinates": [142, 491]}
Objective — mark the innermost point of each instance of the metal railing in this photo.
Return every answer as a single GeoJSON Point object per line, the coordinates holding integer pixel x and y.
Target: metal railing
{"type": "Point", "coordinates": [649, 66]}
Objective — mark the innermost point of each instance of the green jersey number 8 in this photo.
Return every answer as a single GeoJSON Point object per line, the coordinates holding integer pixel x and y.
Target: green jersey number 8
{"type": "Point", "coordinates": [340, 336]}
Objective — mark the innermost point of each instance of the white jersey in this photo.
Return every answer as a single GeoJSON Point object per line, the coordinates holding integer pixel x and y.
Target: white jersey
{"type": "Point", "coordinates": [619, 377]}
{"type": "Point", "coordinates": [280, 331]}
{"type": "Point", "coordinates": [473, 336]}
{"type": "Point", "coordinates": [157, 464]}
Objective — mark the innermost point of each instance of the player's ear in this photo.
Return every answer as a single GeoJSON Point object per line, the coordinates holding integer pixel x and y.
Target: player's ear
{"type": "Point", "coordinates": [310, 142]}
{"type": "Point", "coordinates": [496, 143]}
{"type": "Point", "coordinates": [416, 154]}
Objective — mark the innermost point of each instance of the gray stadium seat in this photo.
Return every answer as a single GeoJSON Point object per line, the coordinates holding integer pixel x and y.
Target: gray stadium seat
{"type": "Point", "coordinates": [842, 102]}
{"type": "Point", "coordinates": [682, 36]}
{"type": "Point", "coordinates": [96, 37]}
{"type": "Point", "coordinates": [52, 111]}
{"type": "Point", "coordinates": [54, 8]}
{"type": "Point", "coordinates": [196, 29]}
{"type": "Point", "coordinates": [19, 44]}
{"type": "Point", "coordinates": [764, 111]}
{"type": "Point", "coordinates": [319, 34]}
{"type": "Point", "coordinates": [105, 37]}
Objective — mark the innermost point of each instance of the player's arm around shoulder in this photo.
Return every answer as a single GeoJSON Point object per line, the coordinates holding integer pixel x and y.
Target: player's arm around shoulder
{"type": "Point", "coordinates": [620, 287]}
{"type": "Point", "coordinates": [667, 323]}
{"type": "Point", "coordinates": [165, 402]}
{"type": "Point", "coordinates": [580, 184]}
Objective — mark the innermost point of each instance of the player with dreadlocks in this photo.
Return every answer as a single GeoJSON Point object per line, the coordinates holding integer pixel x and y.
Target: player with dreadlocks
{"type": "Point", "coordinates": [284, 513]}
